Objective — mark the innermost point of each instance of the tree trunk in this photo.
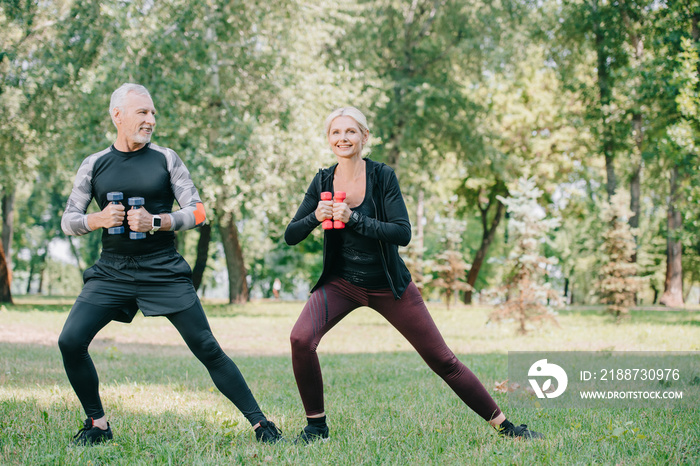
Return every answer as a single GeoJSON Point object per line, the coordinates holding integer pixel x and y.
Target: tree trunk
{"type": "Point", "coordinates": [673, 286]}
{"type": "Point", "coordinates": [635, 195]}
{"type": "Point", "coordinates": [5, 292]}
{"type": "Point", "coordinates": [489, 233]}
{"type": "Point", "coordinates": [202, 255]}
{"type": "Point", "coordinates": [8, 208]}
{"type": "Point", "coordinates": [31, 276]}
{"type": "Point", "coordinates": [637, 43]}
{"type": "Point", "coordinates": [237, 285]}
{"type": "Point", "coordinates": [605, 96]}
{"type": "Point", "coordinates": [42, 271]}
{"type": "Point", "coordinates": [571, 294]}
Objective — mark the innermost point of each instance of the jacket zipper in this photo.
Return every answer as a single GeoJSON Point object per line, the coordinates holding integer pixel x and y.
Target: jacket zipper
{"type": "Point", "coordinates": [384, 264]}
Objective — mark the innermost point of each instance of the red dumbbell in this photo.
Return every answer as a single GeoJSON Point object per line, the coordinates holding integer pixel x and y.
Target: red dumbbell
{"type": "Point", "coordinates": [327, 224]}
{"type": "Point", "coordinates": [339, 197]}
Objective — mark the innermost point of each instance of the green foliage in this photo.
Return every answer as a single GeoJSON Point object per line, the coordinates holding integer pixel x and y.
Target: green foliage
{"type": "Point", "coordinates": [448, 266]}
{"type": "Point", "coordinates": [618, 282]}
{"type": "Point", "coordinates": [463, 98]}
{"type": "Point", "coordinates": [528, 297]}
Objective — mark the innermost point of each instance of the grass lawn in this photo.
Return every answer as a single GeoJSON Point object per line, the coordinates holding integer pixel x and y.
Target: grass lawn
{"type": "Point", "coordinates": [384, 405]}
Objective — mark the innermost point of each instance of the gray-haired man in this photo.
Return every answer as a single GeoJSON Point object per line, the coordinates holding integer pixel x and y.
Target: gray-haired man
{"type": "Point", "coordinates": [146, 273]}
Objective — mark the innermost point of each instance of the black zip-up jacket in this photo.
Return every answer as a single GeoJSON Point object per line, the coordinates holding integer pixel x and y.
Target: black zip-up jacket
{"type": "Point", "coordinates": [391, 227]}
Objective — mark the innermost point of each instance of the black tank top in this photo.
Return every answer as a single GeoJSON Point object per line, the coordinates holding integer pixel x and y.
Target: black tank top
{"type": "Point", "coordinates": [358, 260]}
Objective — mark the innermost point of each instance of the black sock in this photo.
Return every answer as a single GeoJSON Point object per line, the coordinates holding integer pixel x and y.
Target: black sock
{"type": "Point", "coordinates": [316, 421]}
{"type": "Point", "coordinates": [506, 425]}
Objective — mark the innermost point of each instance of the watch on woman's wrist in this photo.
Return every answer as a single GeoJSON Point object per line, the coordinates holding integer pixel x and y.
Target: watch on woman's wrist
{"type": "Point", "coordinates": [354, 218]}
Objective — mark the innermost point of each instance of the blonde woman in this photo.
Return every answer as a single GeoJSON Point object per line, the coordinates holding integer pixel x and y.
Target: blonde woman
{"type": "Point", "coordinates": [362, 267]}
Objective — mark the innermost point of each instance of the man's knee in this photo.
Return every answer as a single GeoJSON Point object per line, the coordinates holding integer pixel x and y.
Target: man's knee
{"type": "Point", "coordinates": [207, 348]}
{"type": "Point", "coordinates": [70, 342]}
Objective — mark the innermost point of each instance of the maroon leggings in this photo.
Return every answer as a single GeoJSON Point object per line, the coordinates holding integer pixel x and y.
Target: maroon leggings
{"type": "Point", "coordinates": [330, 303]}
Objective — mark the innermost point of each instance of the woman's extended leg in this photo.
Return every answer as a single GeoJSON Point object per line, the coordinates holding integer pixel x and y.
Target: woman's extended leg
{"type": "Point", "coordinates": [411, 317]}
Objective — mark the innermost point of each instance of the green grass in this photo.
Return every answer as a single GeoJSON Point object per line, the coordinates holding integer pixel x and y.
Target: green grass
{"type": "Point", "coordinates": [384, 404]}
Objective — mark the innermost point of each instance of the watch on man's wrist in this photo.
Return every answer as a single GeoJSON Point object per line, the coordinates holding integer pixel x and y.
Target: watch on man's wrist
{"type": "Point", "coordinates": [155, 223]}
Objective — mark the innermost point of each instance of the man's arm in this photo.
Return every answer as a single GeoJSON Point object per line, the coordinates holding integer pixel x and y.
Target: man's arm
{"type": "Point", "coordinates": [75, 221]}
{"type": "Point", "coordinates": [191, 213]}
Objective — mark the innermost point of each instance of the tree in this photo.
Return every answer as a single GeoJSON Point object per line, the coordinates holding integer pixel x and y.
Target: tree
{"type": "Point", "coordinates": [618, 281]}
{"type": "Point", "coordinates": [589, 52]}
{"type": "Point", "coordinates": [527, 297]}
{"type": "Point", "coordinates": [449, 264]}
{"type": "Point", "coordinates": [523, 134]}
{"type": "Point", "coordinates": [487, 200]}
{"type": "Point", "coordinates": [46, 45]}
{"type": "Point", "coordinates": [681, 138]}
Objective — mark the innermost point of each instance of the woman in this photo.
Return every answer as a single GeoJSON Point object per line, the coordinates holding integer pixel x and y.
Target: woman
{"type": "Point", "coordinates": [362, 267]}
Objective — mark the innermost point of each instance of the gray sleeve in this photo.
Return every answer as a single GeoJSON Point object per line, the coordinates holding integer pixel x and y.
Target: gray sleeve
{"type": "Point", "coordinates": [74, 220]}
{"type": "Point", "coordinates": [191, 213]}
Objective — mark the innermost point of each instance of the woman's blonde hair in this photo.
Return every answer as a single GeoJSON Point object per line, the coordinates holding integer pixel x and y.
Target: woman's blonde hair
{"type": "Point", "coordinates": [353, 113]}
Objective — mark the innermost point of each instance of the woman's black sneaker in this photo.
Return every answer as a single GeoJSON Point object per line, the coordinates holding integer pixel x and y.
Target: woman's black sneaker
{"type": "Point", "coordinates": [268, 432]}
{"type": "Point", "coordinates": [313, 433]}
{"type": "Point", "coordinates": [520, 431]}
{"type": "Point", "coordinates": [90, 434]}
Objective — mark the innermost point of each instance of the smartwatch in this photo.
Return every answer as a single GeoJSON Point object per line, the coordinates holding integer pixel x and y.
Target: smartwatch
{"type": "Point", "coordinates": [354, 218]}
{"type": "Point", "coordinates": [155, 224]}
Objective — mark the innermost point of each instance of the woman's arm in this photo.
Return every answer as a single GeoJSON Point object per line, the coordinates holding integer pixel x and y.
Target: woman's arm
{"type": "Point", "coordinates": [304, 220]}
{"type": "Point", "coordinates": [397, 227]}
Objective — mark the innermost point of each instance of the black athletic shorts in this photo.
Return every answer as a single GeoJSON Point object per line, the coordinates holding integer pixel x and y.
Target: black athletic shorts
{"type": "Point", "coordinates": [158, 284]}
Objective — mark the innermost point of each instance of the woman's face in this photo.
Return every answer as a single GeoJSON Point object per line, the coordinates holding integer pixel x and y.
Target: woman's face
{"type": "Point", "coordinates": [346, 138]}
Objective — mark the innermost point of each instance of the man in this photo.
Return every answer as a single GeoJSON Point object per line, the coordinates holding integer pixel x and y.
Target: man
{"type": "Point", "coordinates": [148, 273]}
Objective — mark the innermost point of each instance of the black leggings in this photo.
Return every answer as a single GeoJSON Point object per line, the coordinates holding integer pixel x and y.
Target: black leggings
{"type": "Point", "coordinates": [85, 320]}
{"type": "Point", "coordinates": [336, 299]}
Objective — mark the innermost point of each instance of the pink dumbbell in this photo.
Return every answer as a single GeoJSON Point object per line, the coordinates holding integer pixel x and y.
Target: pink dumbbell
{"type": "Point", "coordinates": [327, 224]}
{"type": "Point", "coordinates": [339, 197]}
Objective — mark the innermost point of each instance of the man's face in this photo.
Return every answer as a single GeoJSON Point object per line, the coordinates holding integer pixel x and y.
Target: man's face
{"type": "Point", "coordinates": [137, 119]}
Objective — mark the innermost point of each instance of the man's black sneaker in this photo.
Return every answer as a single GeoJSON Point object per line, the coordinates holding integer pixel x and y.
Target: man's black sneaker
{"type": "Point", "coordinates": [90, 434]}
{"type": "Point", "coordinates": [520, 431]}
{"type": "Point", "coordinates": [313, 433]}
{"type": "Point", "coordinates": [268, 432]}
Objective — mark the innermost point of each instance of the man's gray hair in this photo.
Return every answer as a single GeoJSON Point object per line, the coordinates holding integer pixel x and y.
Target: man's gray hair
{"type": "Point", "coordinates": [118, 96]}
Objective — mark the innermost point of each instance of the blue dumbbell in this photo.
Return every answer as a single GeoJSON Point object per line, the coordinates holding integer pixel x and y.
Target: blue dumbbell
{"type": "Point", "coordinates": [114, 198]}
{"type": "Point", "coordinates": [136, 203]}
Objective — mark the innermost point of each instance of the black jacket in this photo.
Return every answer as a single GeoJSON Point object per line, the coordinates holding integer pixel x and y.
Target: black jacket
{"type": "Point", "coordinates": [391, 227]}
